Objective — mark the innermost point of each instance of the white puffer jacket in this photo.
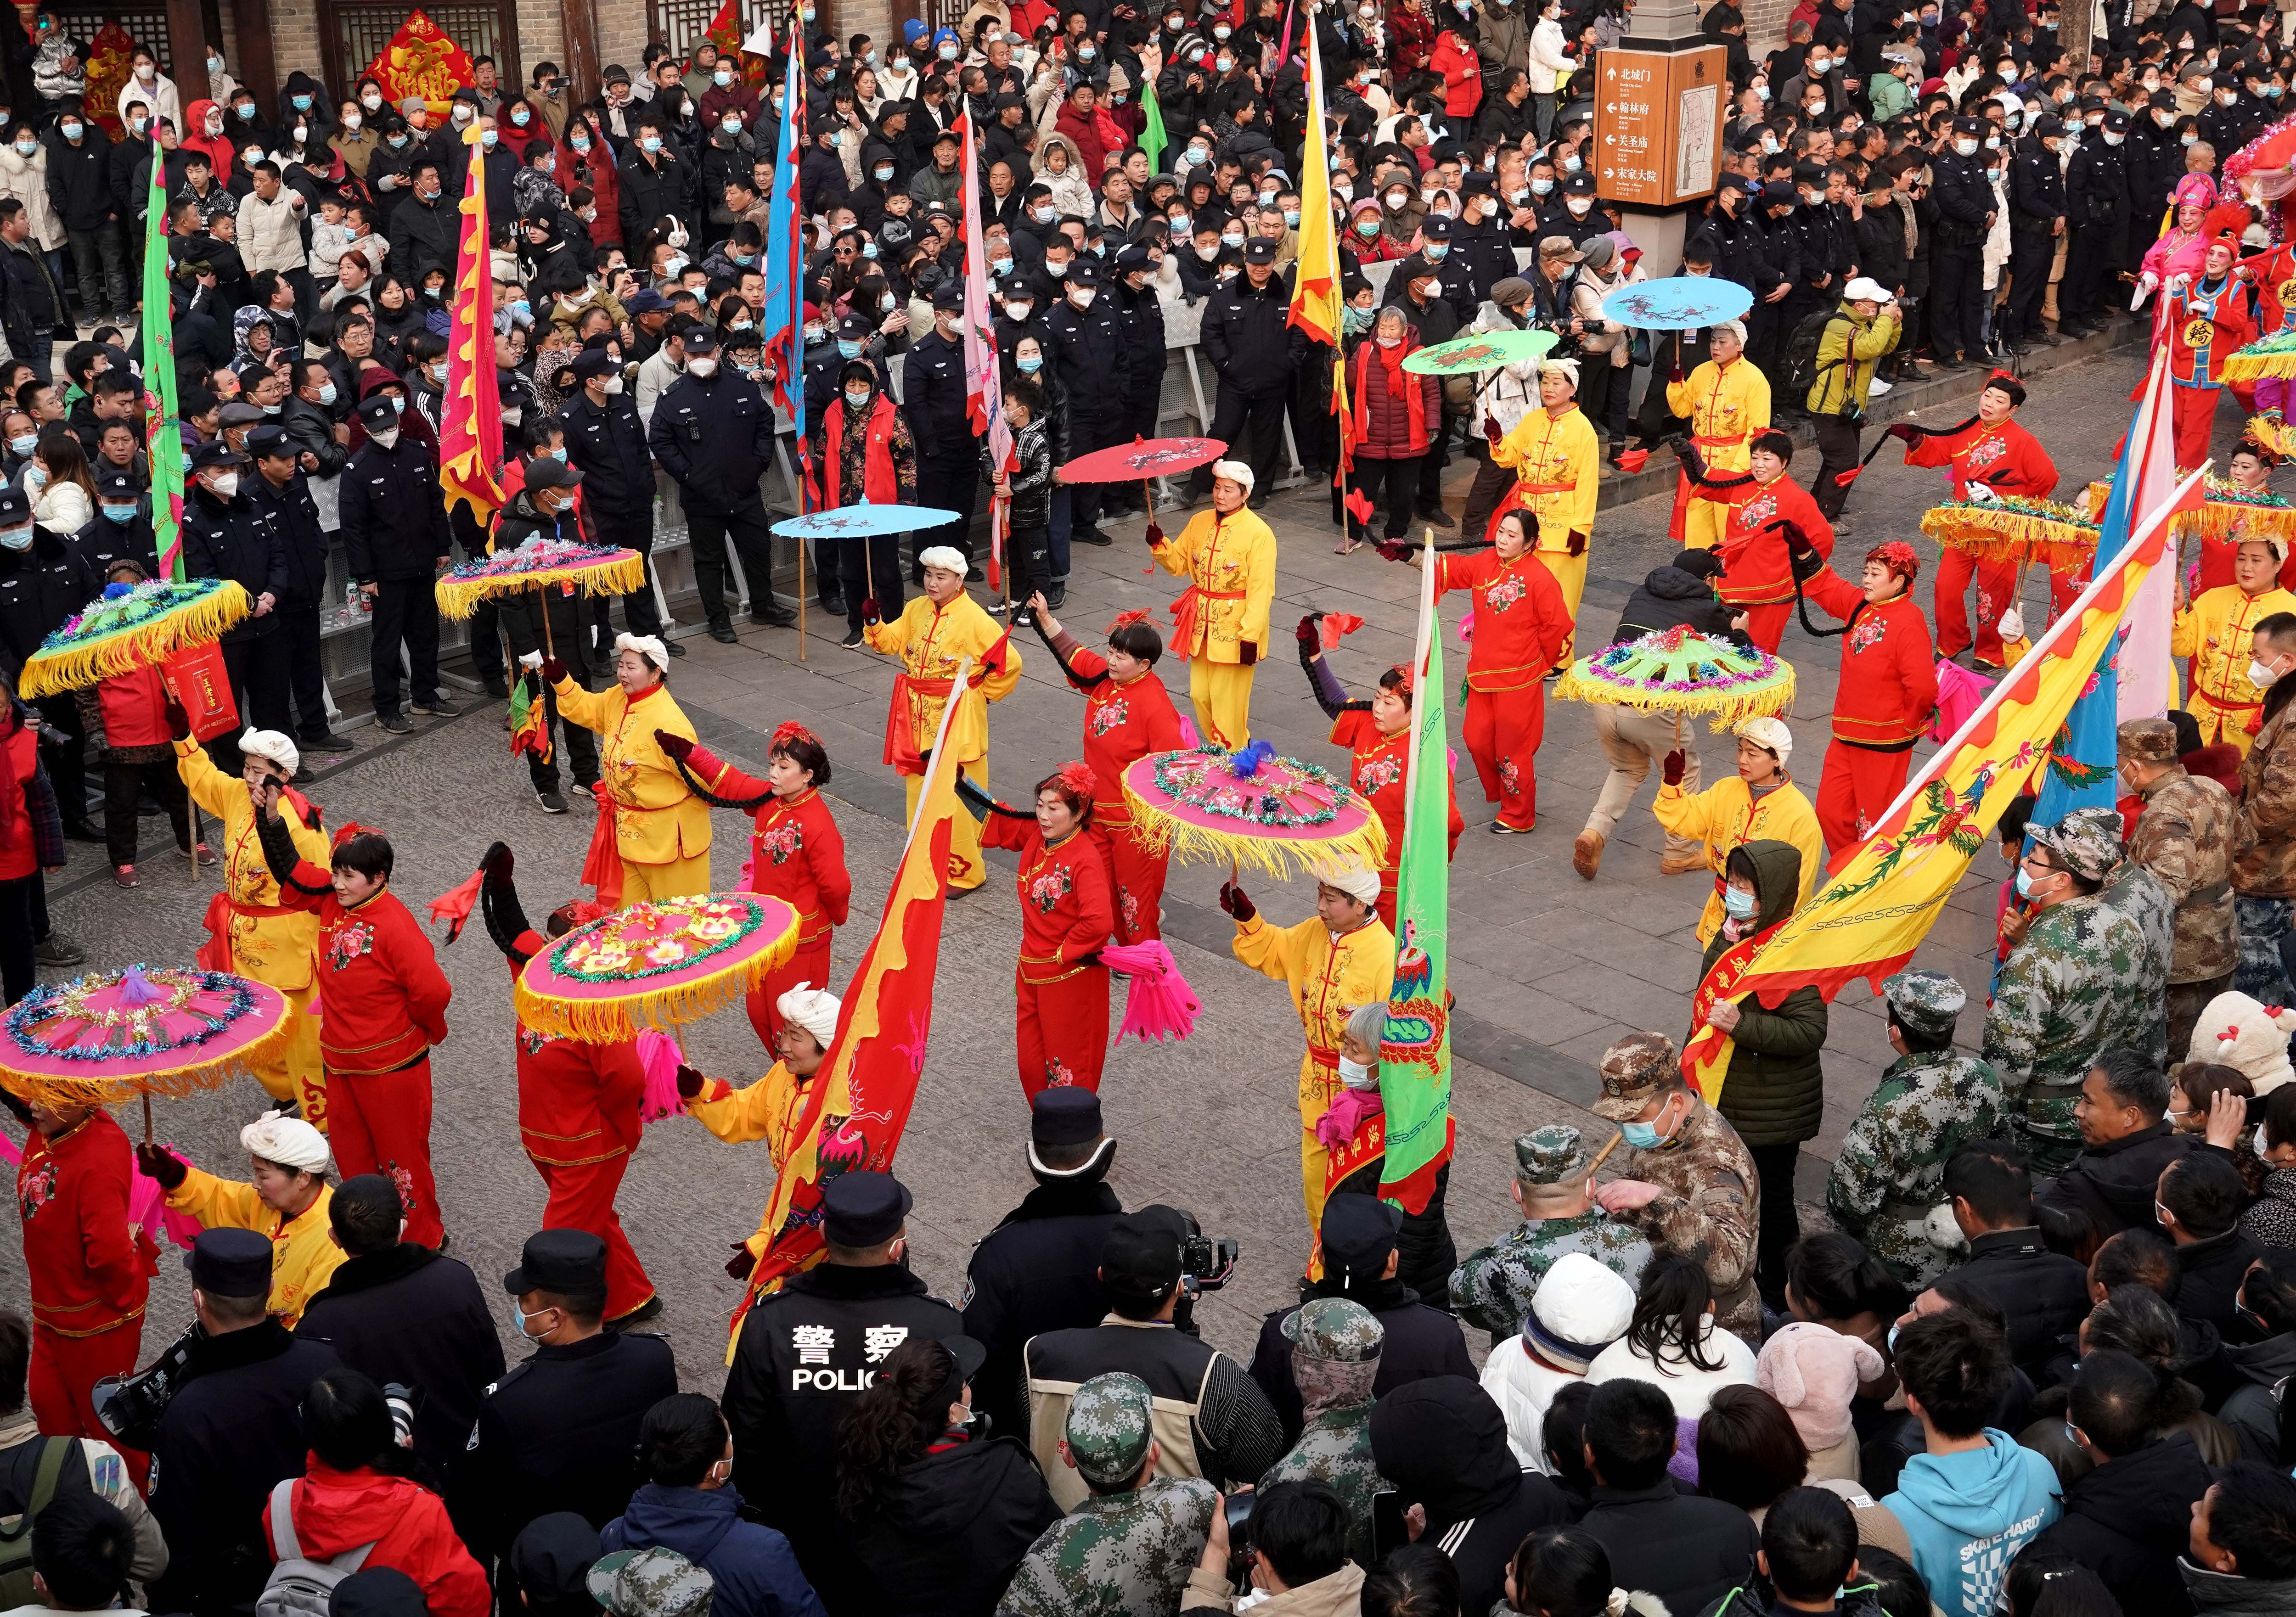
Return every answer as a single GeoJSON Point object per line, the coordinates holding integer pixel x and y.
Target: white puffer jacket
{"type": "Point", "coordinates": [26, 179]}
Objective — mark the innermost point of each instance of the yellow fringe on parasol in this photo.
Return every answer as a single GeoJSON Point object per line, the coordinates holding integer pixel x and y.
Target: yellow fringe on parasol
{"type": "Point", "coordinates": [1728, 708]}
{"type": "Point", "coordinates": [174, 1082]}
{"type": "Point", "coordinates": [2247, 367]}
{"type": "Point", "coordinates": [1282, 858]}
{"type": "Point", "coordinates": [69, 667]}
{"type": "Point", "coordinates": [2018, 530]}
{"type": "Point", "coordinates": [459, 598]}
{"type": "Point", "coordinates": [608, 1021]}
{"type": "Point", "coordinates": [2272, 430]}
{"type": "Point", "coordinates": [2226, 511]}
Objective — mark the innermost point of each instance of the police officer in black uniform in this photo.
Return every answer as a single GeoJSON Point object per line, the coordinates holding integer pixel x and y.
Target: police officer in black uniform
{"type": "Point", "coordinates": [2036, 218]}
{"type": "Point", "coordinates": [44, 581]}
{"type": "Point", "coordinates": [606, 440]}
{"type": "Point", "coordinates": [714, 434]}
{"type": "Point", "coordinates": [1017, 292]}
{"type": "Point", "coordinates": [106, 537]}
{"type": "Point", "coordinates": [1361, 1243]}
{"type": "Point", "coordinates": [1134, 288]}
{"type": "Point", "coordinates": [2097, 212]}
{"type": "Point", "coordinates": [560, 1431]}
{"type": "Point", "coordinates": [948, 451]}
{"type": "Point", "coordinates": [806, 1352]}
{"type": "Point", "coordinates": [1965, 208]}
{"type": "Point", "coordinates": [283, 495]}
{"type": "Point", "coordinates": [1040, 1269]}
{"type": "Point", "coordinates": [225, 535]}
{"type": "Point", "coordinates": [1248, 336]}
{"type": "Point", "coordinates": [394, 535]}
{"type": "Point", "coordinates": [1435, 258]}
{"type": "Point", "coordinates": [1092, 357]}
{"type": "Point", "coordinates": [232, 1431]}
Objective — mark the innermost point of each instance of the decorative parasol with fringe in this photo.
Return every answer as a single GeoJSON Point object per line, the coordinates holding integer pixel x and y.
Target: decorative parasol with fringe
{"type": "Point", "coordinates": [2267, 356]}
{"type": "Point", "coordinates": [132, 627]}
{"type": "Point", "coordinates": [655, 964]}
{"type": "Point", "coordinates": [148, 1030]}
{"type": "Point", "coordinates": [1679, 670]}
{"type": "Point", "coordinates": [539, 564]}
{"type": "Point", "coordinates": [2271, 429]}
{"type": "Point", "coordinates": [1252, 809]}
{"type": "Point", "coordinates": [2010, 528]}
{"type": "Point", "coordinates": [2230, 511]}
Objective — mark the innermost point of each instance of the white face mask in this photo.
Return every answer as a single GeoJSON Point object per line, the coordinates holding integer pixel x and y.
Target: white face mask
{"type": "Point", "coordinates": [1965, 147]}
{"type": "Point", "coordinates": [384, 436]}
{"type": "Point", "coordinates": [225, 484]}
{"type": "Point", "coordinates": [706, 365]}
{"type": "Point", "coordinates": [1082, 296]}
{"type": "Point", "coordinates": [2257, 1141]}
{"type": "Point", "coordinates": [2260, 676]}
{"type": "Point", "coordinates": [856, 399]}
{"type": "Point", "coordinates": [1355, 1076]}
{"type": "Point", "coordinates": [613, 386]}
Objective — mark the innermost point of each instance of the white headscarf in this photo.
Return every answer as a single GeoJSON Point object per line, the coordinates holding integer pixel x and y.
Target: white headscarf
{"type": "Point", "coordinates": [947, 558]}
{"type": "Point", "coordinates": [647, 646]}
{"type": "Point", "coordinates": [1234, 471]}
{"type": "Point", "coordinates": [1357, 881]}
{"type": "Point", "coordinates": [272, 744]}
{"type": "Point", "coordinates": [289, 1142]}
{"type": "Point", "coordinates": [813, 1010]}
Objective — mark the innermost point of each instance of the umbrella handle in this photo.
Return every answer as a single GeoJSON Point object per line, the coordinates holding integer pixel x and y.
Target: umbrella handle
{"type": "Point", "coordinates": [147, 1115]}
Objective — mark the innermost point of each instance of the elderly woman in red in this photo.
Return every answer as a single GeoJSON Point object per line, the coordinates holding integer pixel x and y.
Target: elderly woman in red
{"type": "Point", "coordinates": [1059, 988]}
{"type": "Point", "coordinates": [1763, 502]}
{"type": "Point", "coordinates": [1127, 714]}
{"type": "Point", "coordinates": [1397, 415]}
{"type": "Point", "coordinates": [1378, 732]}
{"type": "Point", "coordinates": [796, 853]}
{"type": "Point", "coordinates": [1521, 623]}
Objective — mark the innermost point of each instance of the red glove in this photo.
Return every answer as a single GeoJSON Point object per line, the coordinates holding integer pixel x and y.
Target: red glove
{"type": "Point", "coordinates": [552, 670]}
{"type": "Point", "coordinates": [690, 1082]}
{"type": "Point", "coordinates": [1492, 430]}
{"type": "Point", "coordinates": [1155, 536]}
{"type": "Point", "coordinates": [179, 722]}
{"type": "Point", "coordinates": [1796, 542]}
{"type": "Point", "coordinates": [869, 610]}
{"type": "Point", "coordinates": [1394, 550]}
{"type": "Point", "coordinates": [156, 1162]}
{"type": "Point", "coordinates": [1248, 653]}
{"type": "Point", "coordinates": [1905, 432]}
{"type": "Point", "coordinates": [1308, 634]}
{"type": "Point", "coordinates": [742, 1263]}
{"type": "Point", "coordinates": [677, 748]}
{"type": "Point", "coordinates": [1577, 543]}
{"type": "Point", "coordinates": [1233, 901]}
{"type": "Point", "coordinates": [1675, 764]}
{"type": "Point", "coordinates": [1675, 375]}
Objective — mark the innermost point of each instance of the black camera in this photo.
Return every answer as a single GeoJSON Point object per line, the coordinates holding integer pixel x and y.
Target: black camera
{"type": "Point", "coordinates": [130, 1406]}
{"type": "Point", "coordinates": [1206, 1261]}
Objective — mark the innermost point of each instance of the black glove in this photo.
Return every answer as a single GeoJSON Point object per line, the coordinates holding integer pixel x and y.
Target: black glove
{"type": "Point", "coordinates": [1673, 765]}
{"type": "Point", "coordinates": [156, 1162]}
{"type": "Point", "coordinates": [179, 722]}
{"type": "Point", "coordinates": [1232, 899]}
{"type": "Point", "coordinates": [742, 1263]}
{"type": "Point", "coordinates": [1308, 634]}
{"type": "Point", "coordinates": [690, 1082]}
{"type": "Point", "coordinates": [1248, 653]}
{"type": "Point", "coordinates": [1905, 432]}
{"type": "Point", "coordinates": [678, 747]}
{"type": "Point", "coordinates": [552, 670]}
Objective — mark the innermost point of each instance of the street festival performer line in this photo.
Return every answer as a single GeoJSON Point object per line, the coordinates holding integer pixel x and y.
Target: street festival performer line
{"type": "Point", "coordinates": [660, 843]}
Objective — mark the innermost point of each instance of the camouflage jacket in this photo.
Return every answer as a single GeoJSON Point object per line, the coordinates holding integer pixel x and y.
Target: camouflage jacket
{"type": "Point", "coordinates": [1334, 1447]}
{"type": "Point", "coordinates": [1891, 1169]}
{"type": "Point", "coordinates": [2184, 837]}
{"type": "Point", "coordinates": [1125, 1555]}
{"type": "Point", "coordinates": [1492, 1287]}
{"type": "Point", "coordinates": [1710, 1196]}
{"type": "Point", "coordinates": [2092, 973]}
{"type": "Point", "coordinates": [2264, 836]}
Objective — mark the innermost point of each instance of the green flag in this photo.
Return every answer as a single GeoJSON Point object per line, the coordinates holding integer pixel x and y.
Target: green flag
{"type": "Point", "coordinates": [1415, 1052]}
{"type": "Point", "coordinates": [1152, 138]}
{"type": "Point", "coordinates": [162, 440]}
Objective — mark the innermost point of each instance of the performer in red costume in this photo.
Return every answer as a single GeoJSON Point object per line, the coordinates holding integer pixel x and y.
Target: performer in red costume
{"type": "Point", "coordinates": [2206, 320]}
{"type": "Point", "coordinates": [88, 1272]}
{"type": "Point", "coordinates": [384, 1005]}
{"type": "Point", "coordinates": [1888, 688]}
{"type": "Point", "coordinates": [1059, 988]}
{"type": "Point", "coordinates": [1764, 502]}
{"type": "Point", "coordinates": [1378, 732]}
{"type": "Point", "coordinates": [578, 1103]}
{"type": "Point", "coordinates": [1992, 454]}
{"type": "Point", "coordinates": [796, 852]}
{"type": "Point", "coordinates": [1127, 714]}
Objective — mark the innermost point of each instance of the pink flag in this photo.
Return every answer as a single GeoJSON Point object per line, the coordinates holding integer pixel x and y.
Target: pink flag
{"type": "Point", "coordinates": [2147, 679]}
{"type": "Point", "coordinates": [984, 391]}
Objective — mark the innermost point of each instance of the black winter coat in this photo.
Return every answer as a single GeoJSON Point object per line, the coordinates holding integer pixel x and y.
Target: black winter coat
{"type": "Point", "coordinates": [236, 539]}
{"type": "Point", "coordinates": [1090, 357]}
{"type": "Point", "coordinates": [421, 234]}
{"type": "Point", "coordinates": [2096, 184]}
{"type": "Point", "coordinates": [392, 516]}
{"type": "Point", "coordinates": [79, 179]}
{"type": "Point", "coordinates": [1247, 336]}
{"type": "Point", "coordinates": [414, 1317]}
{"type": "Point", "coordinates": [1777, 1092]}
{"type": "Point", "coordinates": [2113, 1184]}
{"type": "Point", "coordinates": [953, 1527]}
{"type": "Point", "coordinates": [2036, 187]}
{"type": "Point", "coordinates": [2130, 1519]}
{"type": "Point", "coordinates": [31, 304]}
{"type": "Point", "coordinates": [1684, 1550]}
{"type": "Point", "coordinates": [654, 187]}
{"type": "Point", "coordinates": [2208, 1276]}
{"type": "Point", "coordinates": [2042, 1294]}
{"type": "Point", "coordinates": [1964, 198]}
{"type": "Point", "coordinates": [607, 445]}
{"type": "Point", "coordinates": [39, 588]}
{"type": "Point", "coordinates": [933, 396]}
{"type": "Point", "coordinates": [714, 436]}
{"type": "Point", "coordinates": [1037, 1270]}
{"type": "Point", "coordinates": [1668, 597]}
{"type": "Point", "coordinates": [1742, 252]}
{"type": "Point", "coordinates": [294, 515]}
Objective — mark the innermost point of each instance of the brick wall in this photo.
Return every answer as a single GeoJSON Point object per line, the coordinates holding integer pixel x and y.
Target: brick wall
{"type": "Point", "coordinates": [1765, 25]}
{"type": "Point", "coordinates": [621, 33]}
{"type": "Point", "coordinates": [294, 40]}
{"type": "Point", "coordinates": [873, 18]}
{"type": "Point", "coordinates": [542, 33]}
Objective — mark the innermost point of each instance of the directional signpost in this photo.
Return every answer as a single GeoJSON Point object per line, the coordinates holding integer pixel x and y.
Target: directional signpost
{"type": "Point", "coordinates": [1658, 125]}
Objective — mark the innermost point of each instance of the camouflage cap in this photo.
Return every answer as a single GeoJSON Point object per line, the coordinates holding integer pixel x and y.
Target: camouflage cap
{"type": "Point", "coordinates": [652, 1582]}
{"type": "Point", "coordinates": [1336, 1329]}
{"type": "Point", "coordinates": [1927, 1002]}
{"type": "Point", "coordinates": [1548, 1155]}
{"type": "Point", "coordinates": [1110, 1426]}
{"type": "Point", "coordinates": [2148, 741]}
{"type": "Point", "coordinates": [2087, 842]}
{"type": "Point", "coordinates": [1634, 1070]}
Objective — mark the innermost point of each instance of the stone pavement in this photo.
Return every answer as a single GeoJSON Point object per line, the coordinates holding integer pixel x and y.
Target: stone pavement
{"type": "Point", "coordinates": [1547, 970]}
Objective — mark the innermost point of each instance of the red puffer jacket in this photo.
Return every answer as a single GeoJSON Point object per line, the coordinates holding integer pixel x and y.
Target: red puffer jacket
{"type": "Point", "coordinates": [335, 1511]}
{"type": "Point", "coordinates": [1382, 416]}
{"type": "Point", "coordinates": [1462, 75]}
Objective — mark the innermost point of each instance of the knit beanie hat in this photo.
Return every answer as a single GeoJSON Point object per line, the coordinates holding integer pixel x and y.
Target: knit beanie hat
{"type": "Point", "coordinates": [1813, 1372]}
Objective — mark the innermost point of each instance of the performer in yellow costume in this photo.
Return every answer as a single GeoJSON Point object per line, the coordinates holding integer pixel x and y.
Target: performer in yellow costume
{"type": "Point", "coordinates": [772, 1108]}
{"type": "Point", "coordinates": [1727, 401]}
{"type": "Point", "coordinates": [290, 1204]}
{"type": "Point", "coordinates": [661, 830]}
{"type": "Point", "coordinates": [2215, 631]}
{"type": "Point", "coordinates": [1337, 958]}
{"type": "Point", "coordinates": [1759, 802]}
{"type": "Point", "coordinates": [1558, 465]}
{"type": "Point", "coordinates": [934, 631]}
{"type": "Point", "coordinates": [1228, 555]}
{"type": "Point", "coordinates": [249, 932]}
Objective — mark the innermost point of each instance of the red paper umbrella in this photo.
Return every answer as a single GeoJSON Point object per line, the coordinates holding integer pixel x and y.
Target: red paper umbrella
{"type": "Point", "coordinates": [1142, 458]}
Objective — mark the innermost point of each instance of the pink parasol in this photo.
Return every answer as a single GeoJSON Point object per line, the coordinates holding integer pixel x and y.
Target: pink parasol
{"type": "Point", "coordinates": [147, 1030]}
{"type": "Point", "coordinates": [655, 964]}
{"type": "Point", "coordinates": [1251, 808]}
{"type": "Point", "coordinates": [1142, 458]}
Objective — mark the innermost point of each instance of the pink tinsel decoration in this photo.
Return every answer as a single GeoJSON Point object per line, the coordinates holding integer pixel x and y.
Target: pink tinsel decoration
{"type": "Point", "coordinates": [1959, 692]}
{"type": "Point", "coordinates": [659, 1055]}
{"type": "Point", "coordinates": [147, 1209]}
{"type": "Point", "coordinates": [1160, 1004]}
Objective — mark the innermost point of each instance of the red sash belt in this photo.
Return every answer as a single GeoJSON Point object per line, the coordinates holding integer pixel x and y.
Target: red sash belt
{"type": "Point", "coordinates": [901, 735]}
{"type": "Point", "coordinates": [1188, 610]}
{"type": "Point", "coordinates": [1717, 442]}
{"type": "Point", "coordinates": [215, 954]}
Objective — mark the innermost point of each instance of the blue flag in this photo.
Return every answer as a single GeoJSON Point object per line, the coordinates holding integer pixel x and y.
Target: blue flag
{"type": "Point", "coordinates": [784, 262]}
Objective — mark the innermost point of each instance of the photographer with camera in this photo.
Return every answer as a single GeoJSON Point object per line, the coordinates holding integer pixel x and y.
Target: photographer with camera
{"type": "Point", "coordinates": [1287, 1546]}
{"type": "Point", "coordinates": [399, 1311]}
{"type": "Point", "coordinates": [1853, 340]}
{"type": "Point", "coordinates": [1154, 1263]}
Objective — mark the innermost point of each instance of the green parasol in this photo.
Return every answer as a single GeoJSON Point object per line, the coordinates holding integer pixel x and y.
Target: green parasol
{"type": "Point", "coordinates": [1479, 351]}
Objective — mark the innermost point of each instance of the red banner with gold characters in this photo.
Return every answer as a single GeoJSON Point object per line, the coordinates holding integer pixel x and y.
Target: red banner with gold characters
{"type": "Point", "coordinates": [107, 74]}
{"type": "Point", "coordinates": [421, 60]}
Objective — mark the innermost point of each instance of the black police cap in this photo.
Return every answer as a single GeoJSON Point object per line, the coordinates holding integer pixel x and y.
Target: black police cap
{"type": "Point", "coordinates": [558, 1261]}
{"type": "Point", "coordinates": [863, 1209]}
{"type": "Point", "coordinates": [226, 1262]}
{"type": "Point", "coordinates": [1065, 1115]}
{"type": "Point", "coordinates": [1358, 1234]}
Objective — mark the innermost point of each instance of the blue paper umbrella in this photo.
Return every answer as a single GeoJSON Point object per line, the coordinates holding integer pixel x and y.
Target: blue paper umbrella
{"type": "Point", "coordinates": [1678, 303]}
{"type": "Point", "coordinates": [861, 521]}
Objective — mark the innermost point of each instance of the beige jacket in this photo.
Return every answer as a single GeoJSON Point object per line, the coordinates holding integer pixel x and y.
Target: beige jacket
{"type": "Point", "coordinates": [26, 179]}
{"type": "Point", "coordinates": [107, 1480]}
{"type": "Point", "coordinates": [270, 237]}
{"type": "Point", "coordinates": [1341, 1594]}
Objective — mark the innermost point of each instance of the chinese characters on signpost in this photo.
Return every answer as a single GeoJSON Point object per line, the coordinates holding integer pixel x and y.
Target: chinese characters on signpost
{"type": "Point", "coordinates": [1658, 125]}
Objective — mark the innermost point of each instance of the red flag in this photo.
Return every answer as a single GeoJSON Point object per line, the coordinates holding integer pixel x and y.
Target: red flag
{"type": "Point", "coordinates": [453, 906]}
{"type": "Point", "coordinates": [1337, 626]}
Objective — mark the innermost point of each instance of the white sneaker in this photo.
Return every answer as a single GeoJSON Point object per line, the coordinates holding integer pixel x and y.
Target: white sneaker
{"type": "Point", "coordinates": [1878, 388]}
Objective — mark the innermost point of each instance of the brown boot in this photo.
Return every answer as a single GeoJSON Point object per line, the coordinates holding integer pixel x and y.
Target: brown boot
{"type": "Point", "coordinates": [1587, 852]}
{"type": "Point", "coordinates": [1668, 865]}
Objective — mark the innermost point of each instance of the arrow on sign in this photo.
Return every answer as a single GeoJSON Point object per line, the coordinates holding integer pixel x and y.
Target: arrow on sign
{"type": "Point", "coordinates": [1607, 173]}
{"type": "Point", "coordinates": [1609, 106]}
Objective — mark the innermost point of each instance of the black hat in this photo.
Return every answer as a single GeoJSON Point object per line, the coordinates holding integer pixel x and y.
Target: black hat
{"type": "Point", "coordinates": [1579, 185]}
{"type": "Point", "coordinates": [229, 1262]}
{"type": "Point", "coordinates": [1064, 1115]}
{"type": "Point", "coordinates": [1084, 272]}
{"type": "Point", "coordinates": [699, 341]}
{"type": "Point", "coordinates": [854, 329]}
{"type": "Point", "coordinates": [1358, 1234]}
{"type": "Point", "coordinates": [1477, 184]}
{"type": "Point", "coordinates": [239, 412]}
{"type": "Point", "coordinates": [117, 482]}
{"type": "Point", "coordinates": [2116, 122]}
{"type": "Point", "coordinates": [1435, 227]}
{"type": "Point", "coordinates": [594, 362]}
{"type": "Point", "coordinates": [2224, 81]}
{"type": "Point", "coordinates": [548, 471]}
{"type": "Point", "coordinates": [1015, 288]}
{"type": "Point", "coordinates": [377, 1591]}
{"type": "Point", "coordinates": [2049, 128]}
{"type": "Point", "coordinates": [1140, 1255]}
{"type": "Point", "coordinates": [1968, 126]}
{"type": "Point", "coordinates": [1780, 194]}
{"type": "Point", "coordinates": [950, 136]}
{"type": "Point", "coordinates": [948, 294]}
{"type": "Point", "coordinates": [863, 1209]}
{"type": "Point", "coordinates": [270, 440]}
{"type": "Point", "coordinates": [1698, 563]}
{"type": "Point", "coordinates": [1133, 258]}
{"type": "Point", "coordinates": [558, 1261]}
{"type": "Point", "coordinates": [551, 1557]}
{"type": "Point", "coordinates": [215, 453]}
{"type": "Point", "coordinates": [15, 506]}
{"type": "Point", "coordinates": [1259, 249]}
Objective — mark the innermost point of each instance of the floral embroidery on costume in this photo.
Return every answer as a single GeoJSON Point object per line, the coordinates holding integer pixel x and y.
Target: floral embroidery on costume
{"type": "Point", "coordinates": [782, 841]}
{"type": "Point", "coordinates": [1058, 1073]}
{"type": "Point", "coordinates": [1505, 591]}
{"type": "Point", "coordinates": [1047, 890]}
{"type": "Point", "coordinates": [1868, 634]}
{"type": "Point", "coordinates": [349, 942]}
{"type": "Point", "coordinates": [37, 1190]}
{"type": "Point", "coordinates": [531, 1042]}
{"type": "Point", "coordinates": [1109, 716]}
{"type": "Point", "coordinates": [1374, 774]}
